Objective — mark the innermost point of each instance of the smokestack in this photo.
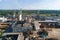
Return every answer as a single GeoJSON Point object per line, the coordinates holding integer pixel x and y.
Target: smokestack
{"type": "Point", "coordinates": [20, 15]}
{"type": "Point", "coordinates": [14, 15]}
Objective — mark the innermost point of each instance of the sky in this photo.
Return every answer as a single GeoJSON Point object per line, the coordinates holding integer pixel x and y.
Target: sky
{"type": "Point", "coordinates": [30, 4]}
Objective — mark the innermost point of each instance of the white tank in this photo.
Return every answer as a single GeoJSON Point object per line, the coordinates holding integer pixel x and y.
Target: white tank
{"type": "Point", "coordinates": [3, 19]}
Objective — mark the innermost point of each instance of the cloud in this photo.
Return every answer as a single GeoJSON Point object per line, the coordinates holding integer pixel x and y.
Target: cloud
{"type": "Point", "coordinates": [0, 0]}
{"type": "Point", "coordinates": [51, 5]}
{"type": "Point", "coordinates": [30, 4]}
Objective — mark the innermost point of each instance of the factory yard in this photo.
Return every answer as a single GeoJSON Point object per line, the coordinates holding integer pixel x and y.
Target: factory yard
{"type": "Point", "coordinates": [55, 33]}
{"type": "Point", "coordinates": [29, 27]}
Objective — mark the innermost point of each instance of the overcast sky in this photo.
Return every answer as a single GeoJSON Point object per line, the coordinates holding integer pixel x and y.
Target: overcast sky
{"type": "Point", "coordinates": [30, 4]}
